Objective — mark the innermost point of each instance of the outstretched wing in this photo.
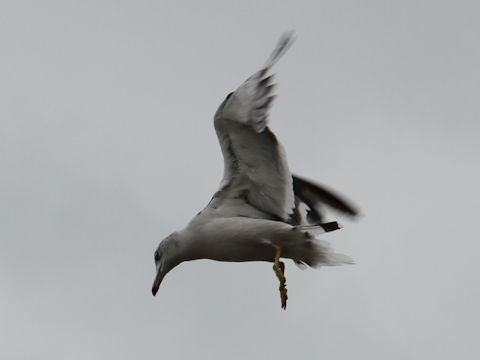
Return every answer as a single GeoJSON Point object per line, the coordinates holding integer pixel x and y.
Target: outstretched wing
{"type": "Point", "coordinates": [256, 180]}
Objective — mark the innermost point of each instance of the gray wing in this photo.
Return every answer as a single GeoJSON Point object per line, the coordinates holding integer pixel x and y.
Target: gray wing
{"type": "Point", "coordinates": [256, 180]}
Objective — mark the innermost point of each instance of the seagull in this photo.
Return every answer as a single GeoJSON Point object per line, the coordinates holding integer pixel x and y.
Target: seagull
{"type": "Point", "coordinates": [261, 212]}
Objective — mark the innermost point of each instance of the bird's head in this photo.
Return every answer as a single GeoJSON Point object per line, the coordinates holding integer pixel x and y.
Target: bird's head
{"type": "Point", "coordinates": [166, 258]}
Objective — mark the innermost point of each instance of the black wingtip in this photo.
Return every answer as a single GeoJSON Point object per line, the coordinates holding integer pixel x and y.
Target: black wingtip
{"type": "Point", "coordinates": [312, 193]}
{"type": "Point", "coordinates": [331, 226]}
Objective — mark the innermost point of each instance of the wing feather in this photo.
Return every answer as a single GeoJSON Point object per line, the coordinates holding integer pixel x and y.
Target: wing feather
{"type": "Point", "coordinates": [256, 170]}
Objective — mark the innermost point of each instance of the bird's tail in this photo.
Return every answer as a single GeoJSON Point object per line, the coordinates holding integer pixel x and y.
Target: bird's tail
{"type": "Point", "coordinates": [322, 254]}
{"type": "Point", "coordinates": [306, 249]}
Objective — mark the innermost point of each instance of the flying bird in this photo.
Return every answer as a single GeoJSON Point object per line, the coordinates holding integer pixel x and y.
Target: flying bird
{"type": "Point", "coordinates": [261, 212]}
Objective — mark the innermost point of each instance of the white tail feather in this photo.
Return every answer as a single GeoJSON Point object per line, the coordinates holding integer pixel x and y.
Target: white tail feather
{"type": "Point", "coordinates": [323, 255]}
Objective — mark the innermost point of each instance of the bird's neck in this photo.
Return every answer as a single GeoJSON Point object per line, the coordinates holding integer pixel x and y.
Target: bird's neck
{"type": "Point", "coordinates": [191, 245]}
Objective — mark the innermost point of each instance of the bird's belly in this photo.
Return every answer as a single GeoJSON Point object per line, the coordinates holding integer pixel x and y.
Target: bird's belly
{"type": "Point", "coordinates": [240, 252]}
{"type": "Point", "coordinates": [238, 239]}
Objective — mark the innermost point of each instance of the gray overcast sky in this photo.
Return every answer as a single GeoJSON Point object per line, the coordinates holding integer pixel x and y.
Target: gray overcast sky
{"type": "Point", "coordinates": [107, 145]}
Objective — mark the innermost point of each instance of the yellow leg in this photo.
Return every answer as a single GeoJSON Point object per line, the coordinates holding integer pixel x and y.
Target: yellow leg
{"type": "Point", "coordinates": [279, 268]}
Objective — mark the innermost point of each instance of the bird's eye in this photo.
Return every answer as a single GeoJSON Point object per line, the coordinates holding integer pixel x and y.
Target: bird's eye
{"type": "Point", "coordinates": [157, 256]}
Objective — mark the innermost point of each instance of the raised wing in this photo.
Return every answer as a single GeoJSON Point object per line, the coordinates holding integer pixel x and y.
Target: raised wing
{"type": "Point", "coordinates": [256, 180]}
{"type": "Point", "coordinates": [313, 200]}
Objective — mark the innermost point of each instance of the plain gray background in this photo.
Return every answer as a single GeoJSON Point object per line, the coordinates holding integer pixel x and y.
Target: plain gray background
{"type": "Point", "coordinates": [107, 145]}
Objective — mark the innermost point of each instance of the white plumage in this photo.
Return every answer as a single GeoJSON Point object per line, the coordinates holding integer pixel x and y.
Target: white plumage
{"type": "Point", "coordinates": [261, 211]}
